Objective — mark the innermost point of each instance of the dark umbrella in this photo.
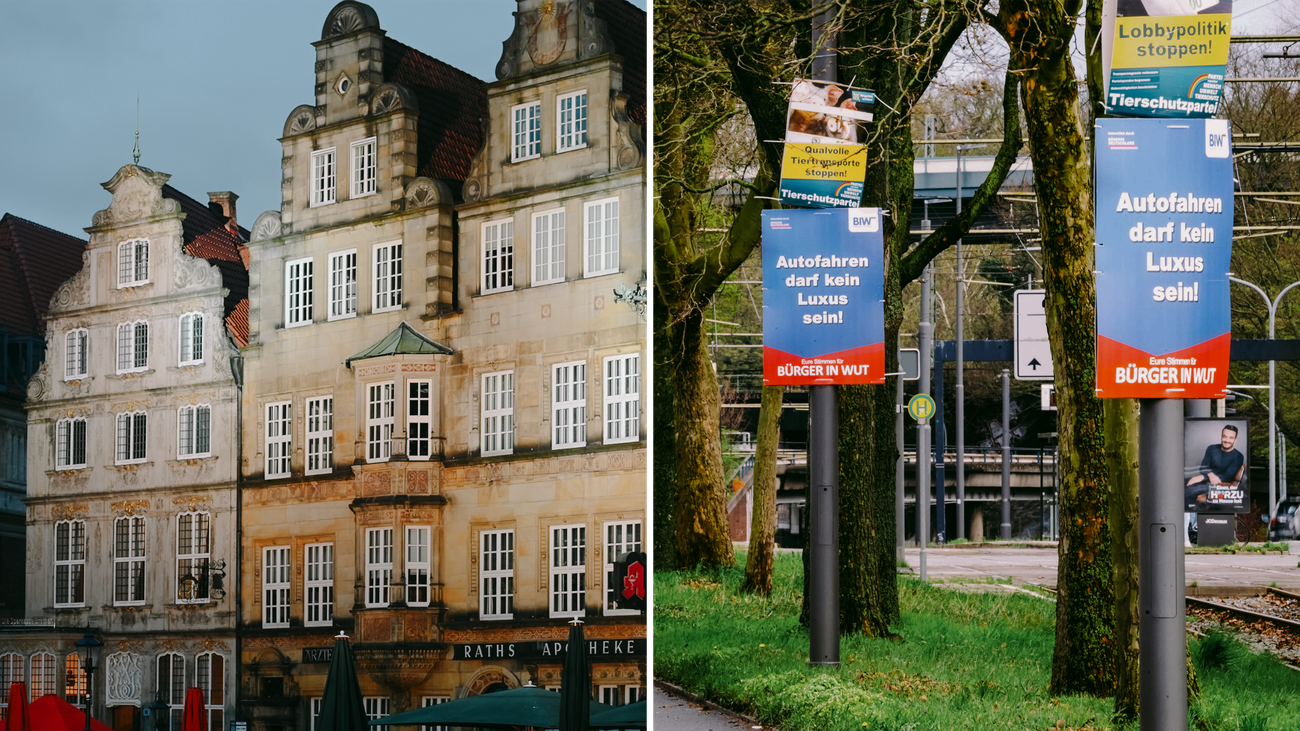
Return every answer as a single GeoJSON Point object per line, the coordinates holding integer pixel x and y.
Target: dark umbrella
{"type": "Point", "coordinates": [633, 715]}
{"type": "Point", "coordinates": [507, 709]}
{"type": "Point", "coordinates": [575, 682]}
{"type": "Point", "coordinates": [341, 707]}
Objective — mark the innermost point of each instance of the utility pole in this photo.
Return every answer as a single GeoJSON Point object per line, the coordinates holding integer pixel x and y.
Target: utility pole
{"type": "Point", "coordinates": [1006, 454]}
{"type": "Point", "coordinates": [823, 447]}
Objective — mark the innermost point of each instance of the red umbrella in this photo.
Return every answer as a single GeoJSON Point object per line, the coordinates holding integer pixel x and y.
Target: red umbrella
{"type": "Point", "coordinates": [195, 717]}
{"type": "Point", "coordinates": [18, 718]}
{"type": "Point", "coordinates": [52, 713]}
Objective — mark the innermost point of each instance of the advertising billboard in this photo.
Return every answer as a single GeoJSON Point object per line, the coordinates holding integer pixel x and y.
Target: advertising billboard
{"type": "Point", "coordinates": [1165, 58]}
{"type": "Point", "coordinates": [1164, 240]}
{"type": "Point", "coordinates": [823, 166]}
{"type": "Point", "coordinates": [823, 297]}
{"type": "Point", "coordinates": [1216, 466]}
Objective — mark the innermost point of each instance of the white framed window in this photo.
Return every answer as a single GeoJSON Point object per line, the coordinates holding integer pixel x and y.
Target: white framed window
{"type": "Point", "coordinates": [70, 563]}
{"type": "Point", "coordinates": [318, 586]}
{"type": "Point", "coordinates": [70, 444]}
{"type": "Point", "coordinates": [279, 437]}
{"type": "Point", "coordinates": [622, 401]}
{"type": "Point", "coordinates": [74, 681]}
{"type": "Point", "coordinates": [322, 177]}
{"type": "Point", "coordinates": [210, 674]}
{"type": "Point", "coordinates": [128, 561]}
{"type": "Point", "coordinates": [610, 695]}
{"type": "Point", "coordinates": [620, 538]}
{"type": "Point", "coordinates": [376, 707]}
{"type": "Point", "coordinates": [419, 420]}
{"type": "Point", "coordinates": [193, 556]}
{"type": "Point", "coordinates": [132, 346]}
{"type": "Point", "coordinates": [433, 700]}
{"type": "Point", "coordinates": [191, 339]}
{"type": "Point", "coordinates": [498, 413]}
{"type": "Point", "coordinates": [76, 354]}
{"type": "Point", "coordinates": [497, 574]}
{"type": "Point", "coordinates": [527, 128]}
{"type": "Point", "coordinates": [388, 277]}
{"type": "Point", "coordinates": [275, 586]}
{"type": "Point", "coordinates": [568, 571]}
{"type": "Point", "coordinates": [380, 408]}
{"type": "Point", "coordinates": [379, 566]}
{"type": "Point", "coordinates": [132, 436]}
{"type": "Point", "coordinates": [194, 431]}
{"type": "Point", "coordinates": [548, 247]}
{"type": "Point", "coordinates": [363, 167]}
{"type": "Point", "coordinates": [133, 263]}
{"type": "Point", "coordinates": [498, 256]}
{"type": "Point", "coordinates": [298, 295]}
{"type": "Point", "coordinates": [571, 121]}
{"type": "Point", "coordinates": [13, 669]}
{"type": "Point", "coordinates": [417, 565]}
{"type": "Point", "coordinates": [343, 284]}
{"type": "Point", "coordinates": [315, 706]}
{"type": "Point", "coordinates": [634, 694]}
{"type": "Point", "coordinates": [320, 435]}
{"type": "Point", "coordinates": [601, 218]}
{"type": "Point", "coordinates": [569, 405]}
{"type": "Point", "coordinates": [171, 685]}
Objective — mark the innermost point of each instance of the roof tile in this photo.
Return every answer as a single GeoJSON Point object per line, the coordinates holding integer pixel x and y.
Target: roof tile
{"type": "Point", "coordinates": [206, 236]}
{"type": "Point", "coordinates": [34, 261]}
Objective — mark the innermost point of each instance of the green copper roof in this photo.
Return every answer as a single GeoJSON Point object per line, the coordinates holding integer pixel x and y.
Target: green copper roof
{"type": "Point", "coordinates": [402, 341]}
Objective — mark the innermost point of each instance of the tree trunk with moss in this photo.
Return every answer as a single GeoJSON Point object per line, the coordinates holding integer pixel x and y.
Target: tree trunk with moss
{"type": "Point", "coordinates": [759, 562]}
{"type": "Point", "coordinates": [664, 473]}
{"type": "Point", "coordinates": [1122, 470]}
{"type": "Point", "coordinates": [1039, 33]}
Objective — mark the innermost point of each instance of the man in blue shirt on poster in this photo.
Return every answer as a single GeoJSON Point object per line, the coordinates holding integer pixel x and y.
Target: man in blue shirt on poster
{"type": "Point", "coordinates": [1221, 466]}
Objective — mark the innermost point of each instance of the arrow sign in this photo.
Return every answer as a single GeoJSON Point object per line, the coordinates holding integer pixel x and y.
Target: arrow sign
{"type": "Point", "coordinates": [1033, 352]}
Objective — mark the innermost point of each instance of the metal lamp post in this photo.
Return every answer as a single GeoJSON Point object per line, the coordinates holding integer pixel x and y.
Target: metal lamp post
{"type": "Point", "coordinates": [1272, 394]}
{"type": "Point", "coordinates": [961, 378]}
{"type": "Point", "coordinates": [88, 648]}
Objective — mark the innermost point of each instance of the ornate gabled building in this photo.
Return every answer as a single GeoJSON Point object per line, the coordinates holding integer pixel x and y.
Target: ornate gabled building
{"type": "Point", "coordinates": [131, 507]}
{"type": "Point", "coordinates": [443, 448]}
{"type": "Point", "coordinates": [34, 260]}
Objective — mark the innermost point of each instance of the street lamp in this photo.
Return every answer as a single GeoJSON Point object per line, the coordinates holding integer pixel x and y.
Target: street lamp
{"type": "Point", "coordinates": [961, 367]}
{"type": "Point", "coordinates": [88, 648]}
{"type": "Point", "coordinates": [1272, 393]}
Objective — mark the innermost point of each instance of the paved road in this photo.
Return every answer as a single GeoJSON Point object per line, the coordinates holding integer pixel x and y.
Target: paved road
{"type": "Point", "coordinates": [676, 714]}
{"type": "Point", "coordinates": [1038, 566]}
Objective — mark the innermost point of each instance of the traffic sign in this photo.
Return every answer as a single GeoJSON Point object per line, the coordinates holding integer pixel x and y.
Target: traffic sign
{"type": "Point", "coordinates": [1033, 352]}
{"type": "Point", "coordinates": [921, 407]}
{"type": "Point", "coordinates": [909, 362]}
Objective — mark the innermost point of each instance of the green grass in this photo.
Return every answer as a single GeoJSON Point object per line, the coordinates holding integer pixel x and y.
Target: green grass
{"type": "Point", "coordinates": [1261, 548]}
{"type": "Point", "coordinates": [961, 661]}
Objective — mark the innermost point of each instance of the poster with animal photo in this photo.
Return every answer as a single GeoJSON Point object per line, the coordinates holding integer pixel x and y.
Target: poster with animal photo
{"type": "Point", "coordinates": [1216, 466]}
{"type": "Point", "coordinates": [826, 112]}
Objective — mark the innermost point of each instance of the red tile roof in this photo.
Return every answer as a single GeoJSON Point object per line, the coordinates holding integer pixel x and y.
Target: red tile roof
{"type": "Point", "coordinates": [453, 107]}
{"type": "Point", "coordinates": [626, 25]}
{"type": "Point", "coordinates": [34, 261]}
{"type": "Point", "coordinates": [206, 236]}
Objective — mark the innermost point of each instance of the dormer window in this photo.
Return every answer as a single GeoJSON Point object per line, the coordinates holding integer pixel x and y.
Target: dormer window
{"type": "Point", "coordinates": [133, 263]}
{"type": "Point", "coordinates": [527, 131]}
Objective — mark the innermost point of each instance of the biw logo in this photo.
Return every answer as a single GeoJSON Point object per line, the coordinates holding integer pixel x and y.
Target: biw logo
{"type": "Point", "coordinates": [1217, 141]}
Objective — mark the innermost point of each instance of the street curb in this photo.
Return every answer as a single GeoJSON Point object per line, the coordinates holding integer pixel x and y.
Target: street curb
{"type": "Point", "coordinates": [686, 694]}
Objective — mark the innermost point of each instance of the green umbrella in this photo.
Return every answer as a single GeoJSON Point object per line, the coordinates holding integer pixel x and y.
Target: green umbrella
{"type": "Point", "coordinates": [341, 707]}
{"type": "Point", "coordinates": [526, 706]}
{"type": "Point", "coordinates": [575, 682]}
{"type": "Point", "coordinates": [630, 716]}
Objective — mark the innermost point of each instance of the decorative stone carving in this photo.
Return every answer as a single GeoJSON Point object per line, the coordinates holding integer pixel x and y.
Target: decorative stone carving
{"type": "Point", "coordinates": [130, 507]}
{"type": "Point", "coordinates": [124, 675]}
{"type": "Point", "coordinates": [548, 32]}
{"type": "Point", "coordinates": [37, 388]}
{"type": "Point", "coordinates": [74, 291]}
{"type": "Point", "coordinates": [488, 676]}
{"type": "Point", "coordinates": [628, 138]}
{"type": "Point", "coordinates": [376, 483]}
{"type": "Point", "coordinates": [417, 483]}
{"type": "Point", "coordinates": [137, 194]}
{"type": "Point", "coordinates": [348, 17]}
{"type": "Point", "coordinates": [511, 47]}
{"type": "Point", "coordinates": [267, 226]}
{"type": "Point", "coordinates": [189, 271]}
{"type": "Point", "coordinates": [68, 512]}
{"type": "Point", "coordinates": [473, 191]}
{"type": "Point", "coordinates": [301, 119]}
{"type": "Point", "coordinates": [192, 502]}
{"type": "Point", "coordinates": [424, 192]}
{"type": "Point", "coordinates": [389, 97]}
{"type": "Point", "coordinates": [592, 32]}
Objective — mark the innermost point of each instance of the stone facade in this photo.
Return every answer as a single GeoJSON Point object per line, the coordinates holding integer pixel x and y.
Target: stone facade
{"type": "Point", "coordinates": [132, 423]}
{"type": "Point", "coordinates": [442, 426]}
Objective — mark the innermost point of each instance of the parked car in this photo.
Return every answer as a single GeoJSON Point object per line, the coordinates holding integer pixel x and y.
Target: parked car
{"type": "Point", "coordinates": [1285, 526]}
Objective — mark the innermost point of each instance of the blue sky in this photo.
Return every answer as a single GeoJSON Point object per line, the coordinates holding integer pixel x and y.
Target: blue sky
{"type": "Point", "coordinates": [216, 82]}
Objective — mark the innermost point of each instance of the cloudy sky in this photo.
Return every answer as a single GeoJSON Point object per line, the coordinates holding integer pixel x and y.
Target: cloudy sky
{"type": "Point", "coordinates": [216, 81]}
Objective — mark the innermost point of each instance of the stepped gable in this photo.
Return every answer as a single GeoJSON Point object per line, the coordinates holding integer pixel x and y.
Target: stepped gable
{"type": "Point", "coordinates": [453, 109]}
{"type": "Point", "coordinates": [625, 24]}
{"type": "Point", "coordinates": [34, 261]}
{"type": "Point", "coordinates": [206, 236]}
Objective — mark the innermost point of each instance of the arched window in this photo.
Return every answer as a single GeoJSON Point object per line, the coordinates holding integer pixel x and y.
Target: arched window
{"type": "Point", "coordinates": [191, 338]}
{"type": "Point", "coordinates": [42, 674]}
{"type": "Point", "coordinates": [210, 675]}
{"type": "Point", "coordinates": [133, 263]}
{"type": "Point", "coordinates": [74, 681]}
{"type": "Point", "coordinates": [171, 685]}
{"type": "Point", "coordinates": [12, 670]}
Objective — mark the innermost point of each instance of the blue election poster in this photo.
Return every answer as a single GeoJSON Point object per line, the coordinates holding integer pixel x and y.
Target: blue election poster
{"type": "Point", "coordinates": [823, 297]}
{"type": "Point", "coordinates": [1164, 241]}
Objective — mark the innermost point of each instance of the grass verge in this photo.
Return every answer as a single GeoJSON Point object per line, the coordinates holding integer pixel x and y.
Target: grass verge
{"type": "Point", "coordinates": [961, 661]}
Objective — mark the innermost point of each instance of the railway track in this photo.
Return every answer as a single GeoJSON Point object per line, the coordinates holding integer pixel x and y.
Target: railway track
{"type": "Point", "coordinates": [1282, 631]}
{"type": "Point", "coordinates": [1250, 616]}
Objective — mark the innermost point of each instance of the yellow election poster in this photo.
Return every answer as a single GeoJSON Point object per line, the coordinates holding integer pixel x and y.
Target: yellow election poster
{"type": "Point", "coordinates": [1166, 57]}
{"type": "Point", "coordinates": [819, 175]}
